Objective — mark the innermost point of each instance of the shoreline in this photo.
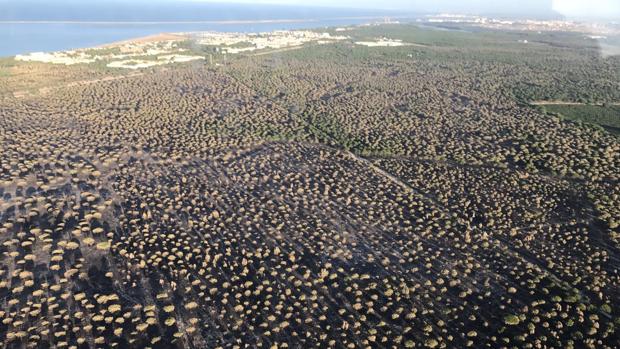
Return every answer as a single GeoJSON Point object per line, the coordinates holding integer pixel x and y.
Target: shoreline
{"type": "Point", "coordinates": [226, 26]}
{"type": "Point", "coordinates": [142, 40]}
{"type": "Point", "coordinates": [167, 51]}
{"type": "Point", "coordinates": [249, 21]}
{"type": "Point", "coordinates": [173, 35]}
{"type": "Point", "coordinates": [168, 22]}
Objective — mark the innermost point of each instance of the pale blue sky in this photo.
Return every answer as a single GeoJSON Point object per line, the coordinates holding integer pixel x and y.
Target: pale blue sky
{"type": "Point", "coordinates": [588, 8]}
{"type": "Point", "coordinates": [392, 4]}
{"type": "Point", "coordinates": [570, 8]}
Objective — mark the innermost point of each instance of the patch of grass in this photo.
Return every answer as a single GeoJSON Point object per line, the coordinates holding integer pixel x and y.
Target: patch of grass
{"type": "Point", "coordinates": [606, 116]}
{"type": "Point", "coordinates": [330, 131]}
{"type": "Point", "coordinates": [103, 51]}
{"type": "Point", "coordinates": [6, 64]}
{"type": "Point", "coordinates": [242, 44]}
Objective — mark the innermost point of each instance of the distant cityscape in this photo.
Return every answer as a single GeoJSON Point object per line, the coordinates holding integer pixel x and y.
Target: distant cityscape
{"type": "Point", "coordinates": [609, 28]}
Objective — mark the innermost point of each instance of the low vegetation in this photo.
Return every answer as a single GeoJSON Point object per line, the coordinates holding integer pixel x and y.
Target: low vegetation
{"type": "Point", "coordinates": [605, 116]}
{"type": "Point", "coordinates": [334, 196]}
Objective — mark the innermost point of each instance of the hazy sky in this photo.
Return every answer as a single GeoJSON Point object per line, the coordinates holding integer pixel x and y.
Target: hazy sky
{"type": "Point", "coordinates": [570, 8]}
{"type": "Point", "coordinates": [608, 9]}
{"type": "Point", "coordinates": [588, 8]}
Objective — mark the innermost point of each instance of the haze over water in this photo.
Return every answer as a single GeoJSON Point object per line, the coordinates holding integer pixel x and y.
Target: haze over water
{"type": "Point", "coordinates": [31, 26]}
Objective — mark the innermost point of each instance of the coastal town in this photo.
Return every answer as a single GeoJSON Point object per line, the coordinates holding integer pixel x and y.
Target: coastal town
{"type": "Point", "coordinates": [556, 25]}
{"type": "Point", "coordinates": [167, 48]}
{"type": "Point", "coordinates": [234, 43]}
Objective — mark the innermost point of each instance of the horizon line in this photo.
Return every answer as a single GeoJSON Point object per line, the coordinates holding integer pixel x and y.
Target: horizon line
{"type": "Point", "coordinates": [257, 21]}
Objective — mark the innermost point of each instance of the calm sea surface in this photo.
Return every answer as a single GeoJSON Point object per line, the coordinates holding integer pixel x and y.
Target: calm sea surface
{"type": "Point", "coordinates": [36, 25]}
{"type": "Point", "coordinates": [33, 37]}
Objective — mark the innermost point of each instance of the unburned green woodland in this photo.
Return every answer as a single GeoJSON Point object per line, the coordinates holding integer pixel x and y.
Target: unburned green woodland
{"type": "Point", "coordinates": [333, 196]}
{"type": "Point", "coordinates": [605, 116]}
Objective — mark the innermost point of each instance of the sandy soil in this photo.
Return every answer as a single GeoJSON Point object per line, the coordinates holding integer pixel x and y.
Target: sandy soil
{"type": "Point", "coordinates": [46, 90]}
{"type": "Point", "coordinates": [147, 39]}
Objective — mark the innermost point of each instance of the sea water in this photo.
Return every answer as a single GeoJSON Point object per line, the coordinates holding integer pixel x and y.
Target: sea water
{"type": "Point", "coordinates": [37, 25]}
